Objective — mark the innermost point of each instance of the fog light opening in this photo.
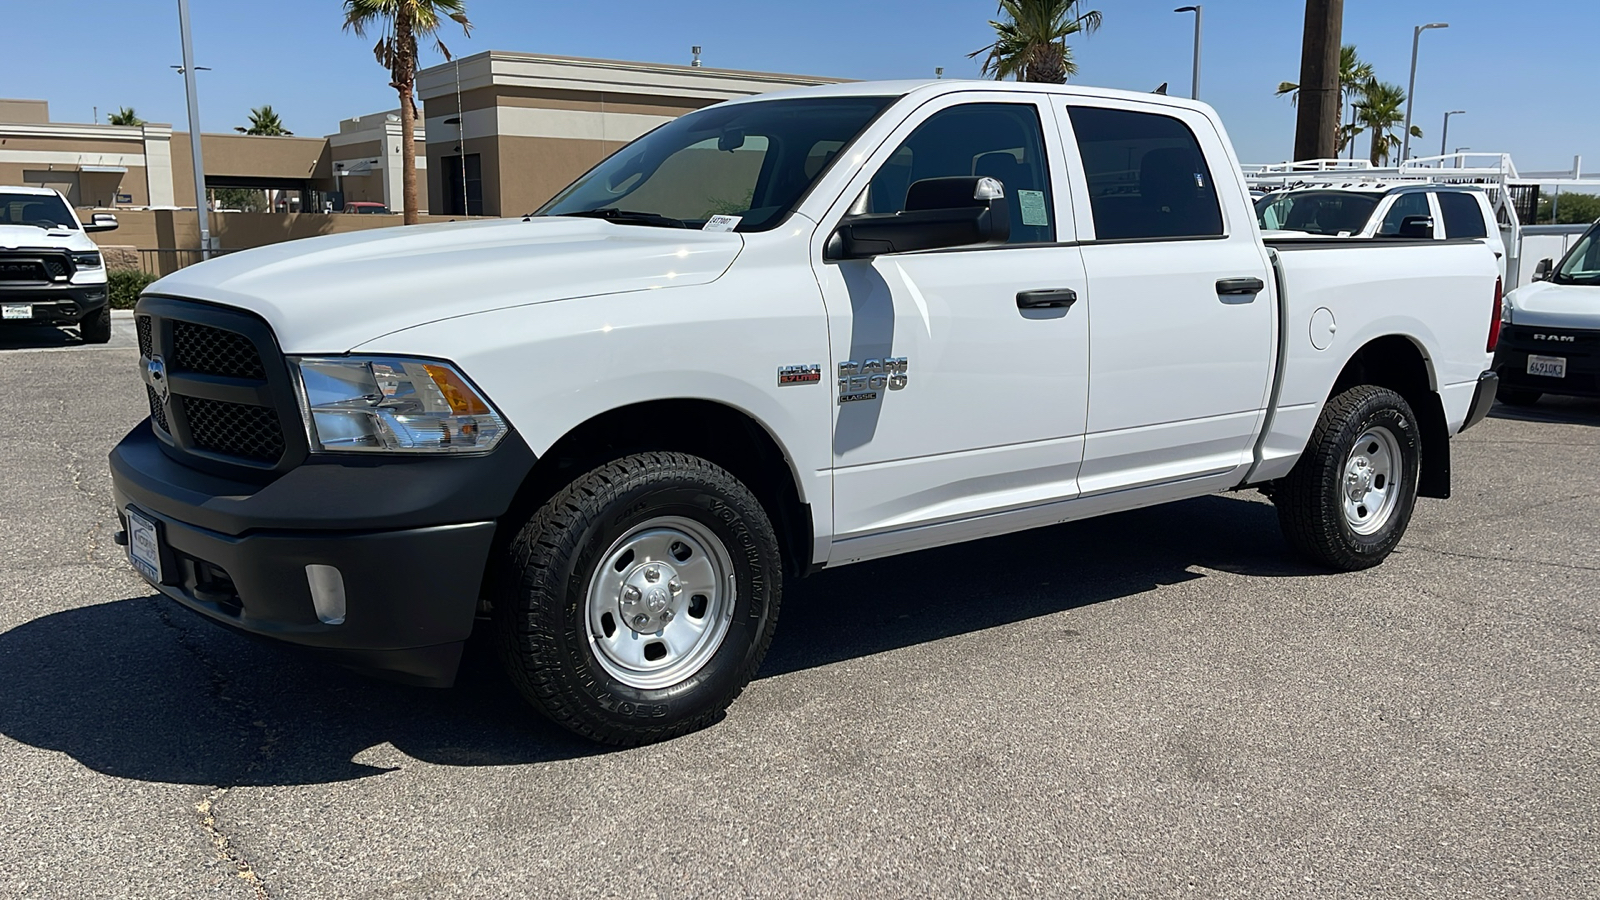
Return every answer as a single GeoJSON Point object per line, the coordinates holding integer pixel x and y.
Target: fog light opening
{"type": "Point", "coordinates": [327, 593]}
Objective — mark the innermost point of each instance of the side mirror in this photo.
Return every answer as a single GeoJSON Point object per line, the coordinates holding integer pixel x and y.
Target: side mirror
{"type": "Point", "coordinates": [1419, 227]}
{"type": "Point", "coordinates": [101, 222]}
{"type": "Point", "coordinates": [963, 211]}
{"type": "Point", "coordinates": [1541, 272]}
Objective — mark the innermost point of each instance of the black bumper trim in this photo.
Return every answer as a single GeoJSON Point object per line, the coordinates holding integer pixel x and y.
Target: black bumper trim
{"type": "Point", "coordinates": [66, 305]}
{"type": "Point", "coordinates": [1482, 399]}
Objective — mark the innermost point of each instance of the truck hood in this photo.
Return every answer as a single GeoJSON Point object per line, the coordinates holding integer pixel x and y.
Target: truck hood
{"type": "Point", "coordinates": [14, 236]}
{"type": "Point", "coordinates": [1550, 305]}
{"type": "Point", "coordinates": [330, 294]}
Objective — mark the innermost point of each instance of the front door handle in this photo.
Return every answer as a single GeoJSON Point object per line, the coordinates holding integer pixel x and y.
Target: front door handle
{"type": "Point", "coordinates": [1235, 287]}
{"type": "Point", "coordinates": [1056, 299]}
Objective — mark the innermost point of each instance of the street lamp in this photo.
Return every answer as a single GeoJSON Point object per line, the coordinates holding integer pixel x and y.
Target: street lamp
{"type": "Point", "coordinates": [1194, 89]}
{"type": "Point", "coordinates": [193, 96]}
{"type": "Point", "coordinates": [1411, 90]}
{"type": "Point", "coordinates": [1444, 135]}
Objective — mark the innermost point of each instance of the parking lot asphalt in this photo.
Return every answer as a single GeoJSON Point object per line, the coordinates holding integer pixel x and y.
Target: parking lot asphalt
{"type": "Point", "coordinates": [1158, 703]}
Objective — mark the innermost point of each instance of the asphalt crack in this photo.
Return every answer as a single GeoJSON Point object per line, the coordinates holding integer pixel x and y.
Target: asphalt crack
{"type": "Point", "coordinates": [1509, 559]}
{"type": "Point", "coordinates": [222, 845]}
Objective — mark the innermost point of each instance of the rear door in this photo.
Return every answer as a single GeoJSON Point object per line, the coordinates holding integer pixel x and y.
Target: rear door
{"type": "Point", "coordinates": [1180, 299]}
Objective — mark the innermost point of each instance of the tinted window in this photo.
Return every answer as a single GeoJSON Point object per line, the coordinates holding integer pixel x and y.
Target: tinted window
{"type": "Point", "coordinates": [998, 140]}
{"type": "Point", "coordinates": [43, 210]}
{"type": "Point", "coordinates": [1463, 218]}
{"type": "Point", "coordinates": [1147, 177]}
{"type": "Point", "coordinates": [1405, 206]}
{"type": "Point", "coordinates": [1331, 213]}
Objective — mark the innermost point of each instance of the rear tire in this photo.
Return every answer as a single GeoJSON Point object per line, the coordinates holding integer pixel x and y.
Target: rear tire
{"type": "Point", "coordinates": [96, 326]}
{"type": "Point", "coordinates": [640, 600]}
{"type": "Point", "coordinates": [1514, 397]}
{"type": "Point", "coordinates": [1348, 500]}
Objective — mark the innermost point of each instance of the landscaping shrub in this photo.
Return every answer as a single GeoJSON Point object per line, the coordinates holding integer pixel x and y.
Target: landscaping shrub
{"type": "Point", "coordinates": [124, 287]}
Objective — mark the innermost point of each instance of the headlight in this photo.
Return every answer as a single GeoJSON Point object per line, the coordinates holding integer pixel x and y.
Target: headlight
{"type": "Point", "coordinates": [86, 260]}
{"type": "Point", "coordinates": [372, 404]}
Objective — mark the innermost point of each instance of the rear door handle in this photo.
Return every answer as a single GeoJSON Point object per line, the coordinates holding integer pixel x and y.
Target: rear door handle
{"type": "Point", "coordinates": [1056, 299]}
{"type": "Point", "coordinates": [1234, 287]}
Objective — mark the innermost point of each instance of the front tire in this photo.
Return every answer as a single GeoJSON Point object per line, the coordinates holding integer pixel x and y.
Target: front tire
{"type": "Point", "coordinates": [96, 326]}
{"type": "Point", "coordinates": [641, 599]}
{"type": "Point", "coordinates": [1348, 500]}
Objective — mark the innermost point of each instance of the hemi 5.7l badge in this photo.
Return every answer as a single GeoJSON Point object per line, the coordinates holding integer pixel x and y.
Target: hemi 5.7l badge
{"type": "Point", "coordinates": [788, 375]}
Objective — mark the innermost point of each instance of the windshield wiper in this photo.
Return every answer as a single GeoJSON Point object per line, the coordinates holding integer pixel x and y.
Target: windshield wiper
{"type": "Point", "coordinates": [630, 217]}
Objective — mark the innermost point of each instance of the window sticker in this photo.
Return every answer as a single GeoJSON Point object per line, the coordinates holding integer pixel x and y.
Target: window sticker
{"type": "Point", "coordinates": [722, 223]}
{"type": "Point", "coordinates": [1033, 208]}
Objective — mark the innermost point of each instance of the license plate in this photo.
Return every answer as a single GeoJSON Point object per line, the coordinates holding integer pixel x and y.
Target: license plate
{"type": "Point", "coordinates": [17, 311]}
{"type": "Point", "coordinates": [144, 546]}
{"type": "Point", "coordinates": [1549, 366]}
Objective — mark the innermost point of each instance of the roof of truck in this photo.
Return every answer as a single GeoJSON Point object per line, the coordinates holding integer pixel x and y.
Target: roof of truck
{"type": "Point", "coordinates": [22, 189]}
{"type": "Point", "coordinates": [935, 87]}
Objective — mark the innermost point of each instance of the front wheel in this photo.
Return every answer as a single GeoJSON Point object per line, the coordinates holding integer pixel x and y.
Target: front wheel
{"type": "Point", "coordinates": [1348, 500]}
{"type": "Point", "coordinates": [640, 600]}
{"type": "Point", "coordinates": [96, 326]}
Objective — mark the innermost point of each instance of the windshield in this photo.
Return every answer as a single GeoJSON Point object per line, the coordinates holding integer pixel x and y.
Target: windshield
{"type": "Point", "coordinates": [1316, 212]}
{"type": "Point", "coordinates": [38, 210]}
{"type": "Point", "coordinates": [748, 162]}
{"type": "Point", "coordinates": [1582, 265]}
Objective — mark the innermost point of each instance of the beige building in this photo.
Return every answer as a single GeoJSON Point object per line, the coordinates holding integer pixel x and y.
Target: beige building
{"type": "Point", "coordinates": [509, 130]}
{"type": "Point", "coordinates": [92, 165]}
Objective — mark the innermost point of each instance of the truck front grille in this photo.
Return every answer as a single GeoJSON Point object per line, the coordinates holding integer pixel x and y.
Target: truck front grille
{"type": "Point", "coordinates": [34, 266]}
{"type": "Point", "coordinates": [219, 393]}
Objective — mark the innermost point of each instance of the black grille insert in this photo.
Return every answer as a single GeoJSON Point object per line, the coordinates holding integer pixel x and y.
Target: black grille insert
{"type": "Point", "coordinates": [56, 266]}
{"type": "Point", "coordinates": [142, 324]}
{"type": "Point", "coordinates": [234, 429]}
{"type": "Point", "coordinates": [158, 413]}
{"type": "Point", "coordinates": [22, 270]}
{"type": "Point", "coordinates": [214, 351]}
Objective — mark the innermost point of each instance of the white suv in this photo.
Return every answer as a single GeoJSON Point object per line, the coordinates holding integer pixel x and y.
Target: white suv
{"type": "Point", "coordinates": [51, 273]}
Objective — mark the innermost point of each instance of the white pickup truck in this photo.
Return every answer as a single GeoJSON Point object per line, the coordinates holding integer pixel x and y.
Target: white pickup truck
{"type": "Point", "coordinates": [51, 273]}
{"type": "Point", "coordinates": [777, 334]}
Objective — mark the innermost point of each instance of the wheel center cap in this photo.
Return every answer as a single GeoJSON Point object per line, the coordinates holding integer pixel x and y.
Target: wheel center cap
{"type": "Point", "coordinates": [1358, 479]}
{"type": "Point", "coordinates": [645, 604]}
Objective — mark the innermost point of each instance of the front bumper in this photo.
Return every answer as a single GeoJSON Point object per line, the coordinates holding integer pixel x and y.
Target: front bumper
{"type": "Point", "coordinates": [410, 540]}
{"type": "Point", "coordinates": [54, 305]}
{"type": "Point", "coordinates": [1579, 347]}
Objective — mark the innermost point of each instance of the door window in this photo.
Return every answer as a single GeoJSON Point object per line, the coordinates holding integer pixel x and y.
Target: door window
{"type": "Point", "coordinates": [1405, 206]}
{"type": "Point", "coordinates": [1147, 176]}
{"type": "Point", "coordinates": [999, 140]}
{"type": "Point", "coordinates": [1463, 217]}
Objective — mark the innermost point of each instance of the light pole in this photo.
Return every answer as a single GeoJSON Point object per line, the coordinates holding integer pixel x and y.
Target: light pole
{"type": "Point", "coordinates": [1444, 136]}
{"type": "Point", "coordinates": [1194, 89]}
{"type": "Point", "coordinates": [190, 88]}
{"type": "Point", "coordinates": [1411, 90]}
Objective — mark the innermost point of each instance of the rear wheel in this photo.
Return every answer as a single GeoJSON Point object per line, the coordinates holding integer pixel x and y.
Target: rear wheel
{"type": "Point", "coordinates": [1348, 500]}
{"type": "Point", "coordinates": [641, 599]}
{"type": "Point", "coordinates": [96, 326]}
{"type": "Point", "coordinates": [1514, 397]}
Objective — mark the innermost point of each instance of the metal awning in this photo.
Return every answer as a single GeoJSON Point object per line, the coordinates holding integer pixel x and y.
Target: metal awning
{"type": "Point", "coordinates": [120, 170]}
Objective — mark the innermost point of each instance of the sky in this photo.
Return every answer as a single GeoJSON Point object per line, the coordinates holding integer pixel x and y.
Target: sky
{"type": "Point", "coordinates": [1513, 68]}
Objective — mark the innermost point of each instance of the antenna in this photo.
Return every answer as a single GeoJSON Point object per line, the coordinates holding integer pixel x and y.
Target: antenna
{"type": "Point", "coordinates": [696, 51]}
{"type": "Point", "coordinates": [938, 72]}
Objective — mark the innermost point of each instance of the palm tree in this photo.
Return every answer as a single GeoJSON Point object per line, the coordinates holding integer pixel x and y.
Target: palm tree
{"type": "Point", "coordinates": [125, 116]}
{"type": "Point", "coordinates": [1355, 74]}
{"type": "Point", "coordinates": [1031, 43]}
{"type": "Point", "coordinates": [400, 23]}
{"type": "Point", "coordinates": [263, 121]}
{"type": "Point", "coordinates": [1382, 107]}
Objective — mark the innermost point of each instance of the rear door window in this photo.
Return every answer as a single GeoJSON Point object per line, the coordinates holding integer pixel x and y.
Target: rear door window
{"type": "Point", "coordinates": [1146, 174]}
{"type": "Point", "coordinates": [1463, 217]}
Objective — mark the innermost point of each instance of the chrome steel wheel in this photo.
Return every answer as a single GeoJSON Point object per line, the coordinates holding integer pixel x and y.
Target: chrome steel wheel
{"type": "Point", "coordinates": [659, 602]}
{"type": "Point", "coordinates": [1373, 477]}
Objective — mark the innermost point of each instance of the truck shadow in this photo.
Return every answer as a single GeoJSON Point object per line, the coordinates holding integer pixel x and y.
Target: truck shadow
{"type": "Point", "coordinates": [141, 689]}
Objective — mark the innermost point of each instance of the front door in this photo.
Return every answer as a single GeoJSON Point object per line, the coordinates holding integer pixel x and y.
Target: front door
{"type": "Point", "coordinates": [953, 398]}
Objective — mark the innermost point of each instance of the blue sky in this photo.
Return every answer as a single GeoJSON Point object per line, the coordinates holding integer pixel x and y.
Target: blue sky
{"type": "Point", "coordinates": [1514, 68]}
